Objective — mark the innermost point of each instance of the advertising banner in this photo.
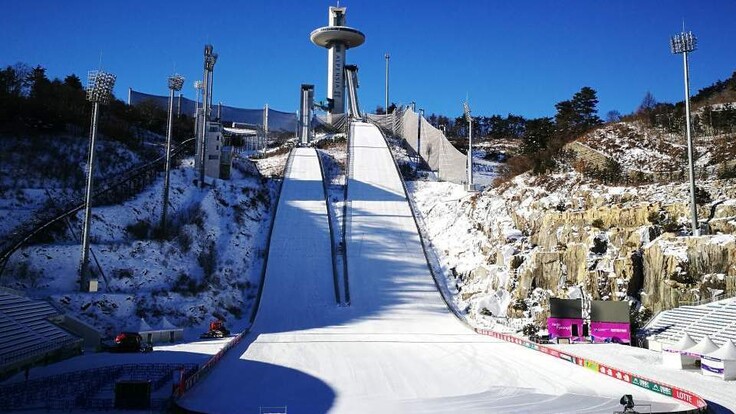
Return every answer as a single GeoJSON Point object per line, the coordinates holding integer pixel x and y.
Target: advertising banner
{"type": "Point", "coordinates": [562, 328]}
{"type": "Point", "coordinates": [619, 332]}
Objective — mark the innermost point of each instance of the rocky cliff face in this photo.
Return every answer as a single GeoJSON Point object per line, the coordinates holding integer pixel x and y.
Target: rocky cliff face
{"type": "Point", "coordinates": [537, 237]}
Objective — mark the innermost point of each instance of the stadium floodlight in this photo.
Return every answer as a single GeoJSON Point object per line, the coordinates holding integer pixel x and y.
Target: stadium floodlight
{"type": "Point", "coordinates": [175, 84]}
{"type": "Point", "coordinates": [99, 91]}
{"type": "Point", "coordinates": [684, 43]}
{"type": "Point", "coordinates": [466, 112]}
{"type": "Point", "coordinates": [99, 86]}
{"type": "Point", "coordinates": [387, 57]}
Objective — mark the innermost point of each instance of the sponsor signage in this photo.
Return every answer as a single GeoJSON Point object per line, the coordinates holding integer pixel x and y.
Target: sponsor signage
{"type": "Point", "coordinates": [652, 386]}
{"type": "Point", "coordinates": [611, 332]}
{"type": "Point", "coordinates": [615, 373]}
{"type": "Point", "coordinates": [562, 327]}
{"type": "Point", "coordinates": [709, 368]}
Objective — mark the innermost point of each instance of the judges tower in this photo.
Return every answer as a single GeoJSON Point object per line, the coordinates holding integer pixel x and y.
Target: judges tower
{"type": "Point", "coordinates": [337, 38]}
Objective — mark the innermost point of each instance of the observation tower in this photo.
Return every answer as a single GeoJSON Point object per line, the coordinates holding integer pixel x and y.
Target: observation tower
{"type": "Point", "coordinates": [337, 38]}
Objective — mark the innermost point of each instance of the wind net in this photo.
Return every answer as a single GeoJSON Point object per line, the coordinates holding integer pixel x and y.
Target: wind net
{"type": "Point", "coordinates": [278, 121]}
{"type": "Point", "coordinates": [434, 148]}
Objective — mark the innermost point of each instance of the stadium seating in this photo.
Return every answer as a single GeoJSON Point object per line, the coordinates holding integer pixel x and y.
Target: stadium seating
{"type": "Point", "coordinates": [716, 319]}
{"type": "Point", "coordinates": [27, 333]}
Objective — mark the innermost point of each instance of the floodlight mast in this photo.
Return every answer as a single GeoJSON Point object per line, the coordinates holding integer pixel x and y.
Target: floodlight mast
{"type": "Point", "coordinates": [175, 84]}
{"type": "Point", "coordinates": [684, 43]}
{"type": "Point", "coordinates": [210, 59]}
{"type": "Point", "coordinates": [469, 118]}
{"type": "Point", "coordinates": [420, 115]}
{"type": "Point", "coordinates": [99, 91]}
{"type": "Point", "coordinates": [387, 57]}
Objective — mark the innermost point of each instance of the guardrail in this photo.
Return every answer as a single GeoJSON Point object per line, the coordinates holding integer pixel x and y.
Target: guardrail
{"type": "Point", "coordinates": [347, 208]}
{"type": "Point", "coordinates": [19, 240]}
{"type": "Point", "coordinates": [652, 385]}
{"type": "Point", "coordinates": [332, 232]}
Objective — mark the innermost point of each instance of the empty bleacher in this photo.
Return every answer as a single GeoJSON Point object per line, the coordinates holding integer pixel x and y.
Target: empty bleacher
{"type": "Point", "coordinates": [716, 320]}
{"type": "Point", "coordinates": [27, 335]}
{"type": "Point", "coordinates": [91, 388]}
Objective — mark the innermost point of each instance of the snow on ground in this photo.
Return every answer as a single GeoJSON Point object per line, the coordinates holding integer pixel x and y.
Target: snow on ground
{"type": "Point", "coordinates": [26, 191]}
{"type": "Point", "coordinates": [397, 348]}
{"type": "Point", "coordinates": [209, 264]}
{"type": "Point", "coordinates": [273, 165]}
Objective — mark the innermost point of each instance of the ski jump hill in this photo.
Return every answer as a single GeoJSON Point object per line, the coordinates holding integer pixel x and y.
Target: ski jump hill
{"type": "Point", "coordinates": [396, 347]}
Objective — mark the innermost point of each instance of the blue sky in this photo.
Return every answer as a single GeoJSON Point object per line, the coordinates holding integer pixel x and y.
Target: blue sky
{"type": "Point", "coordinates": [516, 57]}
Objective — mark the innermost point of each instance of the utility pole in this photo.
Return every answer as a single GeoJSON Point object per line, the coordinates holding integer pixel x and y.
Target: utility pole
{"type": "Point", "coordinates": [419, 137]}
{"type": "Point", "coordinates": [469, 118]}
{"type": "Point", "coordinates": [387, 57]}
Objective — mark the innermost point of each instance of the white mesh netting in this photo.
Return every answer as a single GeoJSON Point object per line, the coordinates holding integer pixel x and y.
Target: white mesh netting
{"type": "Point", "coordinates": [439, 154]}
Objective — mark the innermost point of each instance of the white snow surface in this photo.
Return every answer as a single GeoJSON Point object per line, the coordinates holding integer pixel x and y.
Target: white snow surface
{"type": "Point", "coordinates": [397, 348]}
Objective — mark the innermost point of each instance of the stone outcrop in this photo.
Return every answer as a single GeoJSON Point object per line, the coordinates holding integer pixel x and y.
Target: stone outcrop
{"type": "Point", "coordinates": [578, 235]}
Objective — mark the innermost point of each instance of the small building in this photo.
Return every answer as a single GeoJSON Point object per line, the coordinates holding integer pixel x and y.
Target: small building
{"type": "Point", "coordinates": [720, 363]}
{"type": "Point", "coordinates": [673, 357]}
{"type": "Point", "coordinates": [164, 332]}
{"type": "Point", "coordinates": [214, 161]}
{"type": "Point", "coordinates": [610, 321]}
{"type": "Point", "coordinates": [705, 346]}
{"type": "Point", "coordinates": [565, 323]}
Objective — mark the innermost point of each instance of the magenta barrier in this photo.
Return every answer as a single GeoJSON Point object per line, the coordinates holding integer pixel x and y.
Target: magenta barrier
{"type": "Point", "coordinates": [611, 332]}
{"type": "Point", "coordinates": [562, 327]}
{"type": "Point", "coordinates": [643, 382]}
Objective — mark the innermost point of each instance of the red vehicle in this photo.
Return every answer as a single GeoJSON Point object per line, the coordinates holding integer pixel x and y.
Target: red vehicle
{"type": "Point", "coordinates": [217, 330]}
{"type": "Point", "coordinates": [130, 342]}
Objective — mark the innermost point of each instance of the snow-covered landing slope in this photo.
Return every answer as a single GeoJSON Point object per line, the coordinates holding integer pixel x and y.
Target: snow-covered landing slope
{"type": "Point", "coordinates": [397, 348]}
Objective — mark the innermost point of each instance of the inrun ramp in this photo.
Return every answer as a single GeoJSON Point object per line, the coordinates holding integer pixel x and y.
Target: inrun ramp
{"type": "Point", "coordinates": [397, 348]}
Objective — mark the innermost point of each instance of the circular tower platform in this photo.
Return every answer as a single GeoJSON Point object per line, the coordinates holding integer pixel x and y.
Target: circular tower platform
{"type": "Point", "coordinates": [328, 35]}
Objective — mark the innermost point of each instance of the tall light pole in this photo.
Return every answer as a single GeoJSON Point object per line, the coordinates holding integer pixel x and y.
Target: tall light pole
{"type": "Point", "coordinates": [420, 115]}
{"type": "Point", "coordinates": [684, 43]}
{"type": "Point", "coordinates": [387, 57]}
{"type": "Point", "coordinates": [175, 84]}
{"type": "Point", "coordinates": [469, 118]}
{"type": "Point", "coordinates": [99, 91]}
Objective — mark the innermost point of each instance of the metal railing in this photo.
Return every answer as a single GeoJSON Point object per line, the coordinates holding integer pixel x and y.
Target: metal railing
{"type": "Point", "coordinates": [330, 218]}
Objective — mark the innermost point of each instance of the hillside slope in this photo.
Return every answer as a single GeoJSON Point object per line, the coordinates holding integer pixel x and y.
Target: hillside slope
{"type": "Point", "coordinates": [507, 249]}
